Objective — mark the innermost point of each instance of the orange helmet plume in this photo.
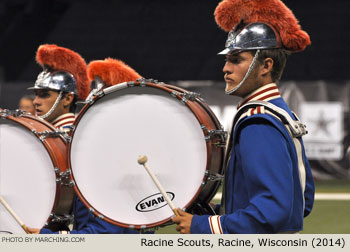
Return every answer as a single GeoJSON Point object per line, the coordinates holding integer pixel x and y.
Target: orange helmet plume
{"type": "Point", "coordinates": [228, 13]}
{"type": "Point", "coordinates": [55, 58]}
{"type": "Point", "coordinates": [111, 71]}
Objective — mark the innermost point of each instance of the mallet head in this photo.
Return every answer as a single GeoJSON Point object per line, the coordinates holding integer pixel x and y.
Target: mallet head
{"type": "Point", "coordinates": [142, 159]}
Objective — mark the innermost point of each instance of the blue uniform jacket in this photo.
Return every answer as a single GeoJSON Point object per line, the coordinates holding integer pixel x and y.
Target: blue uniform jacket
{"type": "Point", "coordinates": [263, 192]}
{"type": "Point", "coordinates": [86, 223]}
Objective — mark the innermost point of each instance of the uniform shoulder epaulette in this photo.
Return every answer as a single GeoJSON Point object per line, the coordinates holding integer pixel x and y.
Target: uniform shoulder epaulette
{"type": "Point", "coordinates": [297, 128]}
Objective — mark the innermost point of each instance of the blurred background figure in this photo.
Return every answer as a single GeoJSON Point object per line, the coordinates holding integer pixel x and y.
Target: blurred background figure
{"type": "Point", "coordinates": [26, 104]}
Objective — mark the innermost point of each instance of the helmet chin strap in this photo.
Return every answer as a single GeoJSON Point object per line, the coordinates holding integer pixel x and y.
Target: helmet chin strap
{"type": "Point", "coordinates": [246, 75]}
{"type": "Point", "coordinates": [58, 99]}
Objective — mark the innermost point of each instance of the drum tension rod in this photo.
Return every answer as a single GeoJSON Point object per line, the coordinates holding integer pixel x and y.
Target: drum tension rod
{"type": "Point", "coordinates": [97, 86]}
{"type": "Point", "coordinates": [190, 96]}
{"type": "Point", "coordinates": [143, 81]}
{"type": "Point", "coordinates": [57, 133]}
{"type": "Point", "coordinates": [63, 178]}
{"type": "Point", "coordinates": [222, 134]}
{"type": "Point", "coordinates": [16, 113]}
{"type": "Point", "coordinates": [214, 177]}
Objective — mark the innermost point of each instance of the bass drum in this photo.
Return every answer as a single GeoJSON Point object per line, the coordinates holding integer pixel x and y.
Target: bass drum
{"type": "Point", "coordinates": [175, 129]}
{"type": "Point", "coordinates": [32, 169]}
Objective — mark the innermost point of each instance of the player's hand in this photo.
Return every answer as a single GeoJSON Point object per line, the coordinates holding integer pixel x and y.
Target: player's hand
{"type": "Point", "coordinates": [33, 230]}
{"type": "Point", "coordinates": [183, 222]}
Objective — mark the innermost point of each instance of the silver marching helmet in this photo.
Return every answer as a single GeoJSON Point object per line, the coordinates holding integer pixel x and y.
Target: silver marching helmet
{"type": "Point", "coordinates": [253, 36]}
{"type": "Point", "coordinates": [58, 81]}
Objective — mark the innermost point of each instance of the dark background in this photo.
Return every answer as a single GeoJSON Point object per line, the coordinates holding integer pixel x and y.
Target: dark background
{"type": "Point", "coordinates": [166, 40]}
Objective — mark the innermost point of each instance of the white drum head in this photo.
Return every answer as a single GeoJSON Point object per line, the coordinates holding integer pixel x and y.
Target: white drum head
{"type": "Point", "coordinates": [27, 178]}
{"type": "Point", "coordinates": [112, 134]}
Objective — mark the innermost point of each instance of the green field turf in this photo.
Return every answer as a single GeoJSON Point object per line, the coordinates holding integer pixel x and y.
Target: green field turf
{"type": "Point", "coordinates": [327, 216]}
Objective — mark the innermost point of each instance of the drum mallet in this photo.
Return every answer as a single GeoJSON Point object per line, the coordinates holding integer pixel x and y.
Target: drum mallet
{"type": "Point", "coordinates": [142, 161]}
{"type": "Point", "coordinates": [9, 209]}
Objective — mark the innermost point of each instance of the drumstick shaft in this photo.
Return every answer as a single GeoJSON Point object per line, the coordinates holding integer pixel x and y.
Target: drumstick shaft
{"type": "Point", "coordinates": [9, 209]}
{"type": "Point", "coordinates": [161, 189]}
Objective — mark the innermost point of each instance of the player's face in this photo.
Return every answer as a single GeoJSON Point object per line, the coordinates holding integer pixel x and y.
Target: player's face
{"type": "Point", "coordinates": [235, 68]}
{"type": "Point", "coordinates": [43, 102]}
{"type": "Point", "coordinates": [27, 105]}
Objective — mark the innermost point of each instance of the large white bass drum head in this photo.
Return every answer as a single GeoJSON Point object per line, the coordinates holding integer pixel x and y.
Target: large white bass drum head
{"type": "Point", "coordinates": [110, 135]}
{"type": "Point", "coordinates": [27, 172]}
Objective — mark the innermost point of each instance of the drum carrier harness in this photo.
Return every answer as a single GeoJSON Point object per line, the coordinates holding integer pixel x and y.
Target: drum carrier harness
{"type": "Point", "coordinates": [295, 128]}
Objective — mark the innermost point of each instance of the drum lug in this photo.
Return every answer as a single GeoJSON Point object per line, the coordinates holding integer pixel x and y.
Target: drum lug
{"type": "Point", "coordinates": [96, 91]}
{"type": "Point", "coordinates": [100, 216]}
{"type": "Point", "coordinates": [214, 177]}
{"type": "Point", "coordinates": [67, 137]}
{"type": "Point", "coordinates": [221, 134]}
{"type": "Point", "coordinates": [68, 184]}
{"type": "Point", "coordinates": [145, 230]}
{"type": "Point", "coordinates": [16, 113]}
{"type": "Point", "coordinates": [143, 81]}
{"type": "Point", "coordinates": [63, 182]}
{"type": "Point", "coordinates": [57, 133]}
{"type": "Point", "coordinates": [190, 96]}
{"type": "Point", "coordinates": [174, 94]}
{"type": "Point", "coordinates": [65, 174]}
{"type": "Point", "coordinates": [64, 178]}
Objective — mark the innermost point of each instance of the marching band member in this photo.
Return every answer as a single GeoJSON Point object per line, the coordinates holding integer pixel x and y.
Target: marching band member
{"type": "Point", "coordinates": [268, 186]}
{"type": "Point", "coordinates": [26, 104]}
{"type": "Point", "coordinates": [64, 80]}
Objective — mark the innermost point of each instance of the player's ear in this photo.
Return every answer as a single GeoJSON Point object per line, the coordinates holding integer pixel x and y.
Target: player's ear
{"type": "Point", "coordinates": [267, 66]}
{"type": "Point", "coordinates": [68, 99]}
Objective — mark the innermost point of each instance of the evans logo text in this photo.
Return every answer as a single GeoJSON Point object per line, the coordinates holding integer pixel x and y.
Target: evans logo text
{"type": "Point", "coordinates": [153, 202]}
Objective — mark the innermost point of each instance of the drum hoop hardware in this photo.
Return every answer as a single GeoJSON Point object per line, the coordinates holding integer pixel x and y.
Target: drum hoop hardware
{"type": "Point", "coordinates": [174, 94]}
{"type": "Point", "coordinates": [221, 133]}
{"type": "Point", "coordinates": [214, 176]}
{"type": "Point", "coordinates": [145, 230]}
{"type": "Point", "coordinates": [57, 133]}
{"type": "Point", "coordinates": [97, 91]}
{"type": "Point", "coordinates": [131, 83]}
{"type": "Point", "coordinates": [192, 96]}
{"type": "Point", "coordinates": [15, 113]}
{"type": "Point", "coordinates": [64, 178]}
{"type": "Point", "coordinates": [54, 218]}
{"type": "Point", "coordinates": [71, 127]}
{"type": "Point", "coordinates": [143, 81]}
